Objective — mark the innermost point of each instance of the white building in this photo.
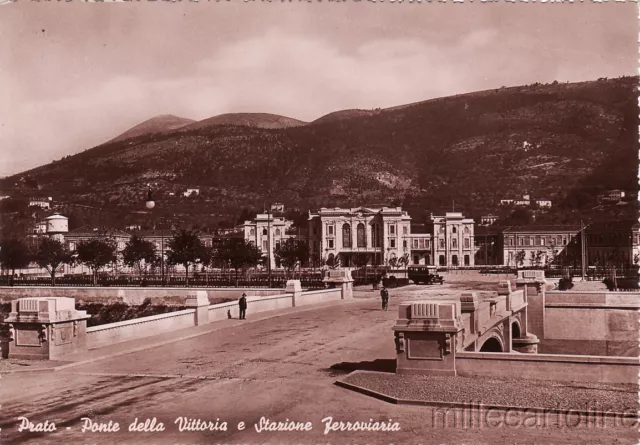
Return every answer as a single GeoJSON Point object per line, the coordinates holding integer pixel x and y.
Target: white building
{"type": "Point", "coordinates": [358, 235]}
{"type": "Point", "coordinates": [43, 203]}
{"type": "Point", "coordinates": [454, 243]}
{"type": "Point", "coordinates": [267, 232]}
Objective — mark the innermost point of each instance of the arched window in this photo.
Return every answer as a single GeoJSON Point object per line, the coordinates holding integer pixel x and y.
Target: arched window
{"type": "Point", "coordinates": [277, 232]}
{"type": "Point", "coordinates": [454, 229]}
{"type": "Point", "coordinates": [252, 232]}
{"type": "Point", "coordinates": [466, 230]}
{"type": "Point", "coordinates": [441, 229]}
{"type": "Point", "coordinates": [330, 260]}
{"type": "Point", "coordinates": [361, 237]}
{"type": "Point", "coordinates": [346, 235]}
{"type": "Point", "coordinates": [264, 231]}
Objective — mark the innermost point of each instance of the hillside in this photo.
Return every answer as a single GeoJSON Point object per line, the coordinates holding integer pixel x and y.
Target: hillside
{"type": "Point", "coordinates": [257, 120]}
{"type": "Point", "coordinates": [563, 142]}
{"type": "Point", "coordinates": [158, 124]}
{"type": "Point", "coordinates": [338, 116]}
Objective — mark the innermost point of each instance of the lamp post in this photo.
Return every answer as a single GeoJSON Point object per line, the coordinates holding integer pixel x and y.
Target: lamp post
{"type": "Point", "coordinates": [150, 204]}
{"type": "Point", "coordinates": [268, 211]}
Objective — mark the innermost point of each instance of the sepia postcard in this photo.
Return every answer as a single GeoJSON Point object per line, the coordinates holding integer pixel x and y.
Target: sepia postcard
{"type": "Point", "coordinates": [319, 222]}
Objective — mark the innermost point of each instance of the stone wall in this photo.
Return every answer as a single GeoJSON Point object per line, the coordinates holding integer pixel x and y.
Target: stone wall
{"type": "Point", "coordinates": [104, 335]}
{"type": "Point", "coordinates": [549, 367]}
{"type": "Point", "coordinates": [130, 295]}
{"type": "Point", "coordinates": [593, 323]}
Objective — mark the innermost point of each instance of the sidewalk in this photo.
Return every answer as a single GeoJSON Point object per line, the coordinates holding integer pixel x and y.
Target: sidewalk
{"type": "Point", "coordinates": [141, 344]}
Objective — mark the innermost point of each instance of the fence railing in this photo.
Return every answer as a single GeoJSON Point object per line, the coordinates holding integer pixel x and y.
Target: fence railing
{"type": "Point", "coordinates": [307, 281]}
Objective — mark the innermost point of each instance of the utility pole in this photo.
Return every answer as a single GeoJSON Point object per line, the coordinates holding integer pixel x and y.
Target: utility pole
{"type": "Point", "coordinates": [269, 243]}
{"type": "Point", "coordinates": [583, 243]}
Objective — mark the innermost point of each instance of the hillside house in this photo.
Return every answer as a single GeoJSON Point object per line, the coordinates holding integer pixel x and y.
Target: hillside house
{"type": "Point", "coordinates": [191, 192]}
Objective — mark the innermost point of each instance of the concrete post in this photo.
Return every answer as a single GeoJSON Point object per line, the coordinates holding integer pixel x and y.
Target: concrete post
{"type": "Point", "coordinates": [426, 337]}
{"type": "Point", "coordinates": [295, 288]}
{"type": "Point", "coordinates": [45, 328]}
{"type": "Point", "coordinates": [342, 278]}
{"type": "Point", "coordinates": [534, 285]}
{"type": "Point", "coordinates": [200, 301]}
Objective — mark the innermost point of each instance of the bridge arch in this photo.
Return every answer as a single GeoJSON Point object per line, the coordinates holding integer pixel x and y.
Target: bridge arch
{"type": "Point", "coordinates": [492, 344]}
{"type": "Point", "coordinates": [516, 332]}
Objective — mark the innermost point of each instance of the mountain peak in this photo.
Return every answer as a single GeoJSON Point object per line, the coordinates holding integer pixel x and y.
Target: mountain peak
{"type": "Point", "coordinates": [161, 123]}
{"type": "Point", "coordinates": [256, 120]}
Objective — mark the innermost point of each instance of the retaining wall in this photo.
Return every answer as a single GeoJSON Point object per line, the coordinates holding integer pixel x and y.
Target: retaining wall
{"type": "Point", "coordinates": [591, 323]}
{"type": "Point", "coordinates": [99, 336]}
{"type": "Point", "coordinates": [129, 295]}
{"type": "Point", "coordinates": [549, 367]}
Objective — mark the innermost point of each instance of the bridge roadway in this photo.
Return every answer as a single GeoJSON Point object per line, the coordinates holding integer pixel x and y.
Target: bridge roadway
{"type": "Point", "coordinates": [280, 368]}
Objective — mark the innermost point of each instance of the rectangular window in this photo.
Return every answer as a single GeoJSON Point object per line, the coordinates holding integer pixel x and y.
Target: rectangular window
{"type": "Point", "coordinates": [442, 244]}
{"type": "Point", "coordinates": [520, 242]}
{"type": "Point", "coordinates": [542, 241]}
{"type": "Point", "coordinates": [330, 229]}
{"type": "Point", "coordinates": [392, 243]}
{"type": "Point", "coordinates": [405, 231]}
{"type": "Point", "coordinates": [467, 243]}
{"type": "Point", "coordinates": [564, 241]}
{"type": "Point", "coordinates": [454, 243]}
{"type": "Point", "coordinates": [404, 244]}
{"type": "Point", "coordinates": [264, 245]}
{"type": "Point", "coordinates": [421, 243]}
{"type": "Point", "coordinates": [415, 243]}
{"type": "Point", "coordinates": [392, 230]}
{"type": "Point", "coordinates": [330, 243]}
{"type": "Point", "coordinates": [427, 243]}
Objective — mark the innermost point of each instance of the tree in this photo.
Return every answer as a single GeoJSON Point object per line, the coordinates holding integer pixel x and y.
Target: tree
{"type": "Point", "coordinates": [14, 254]}
{"type": "Point", "coordinates": [291, 252]}
{"type": "Point", "coordinates": [403, 261]}
{"type": "Point", "coordinates": [538, 256]}
{"type": "Point", "coordinates": [185, 248]}
{"type": "Point", "coordinates": [520, 257]}
{"type": "Point", "coordinates": [51, 254]}
{"type": "Point", "coordinates": [139, 254]}
{"type": "Point", "coordinates": [239, 254]}
{"type": "Point", "coordinates": [97, 253]}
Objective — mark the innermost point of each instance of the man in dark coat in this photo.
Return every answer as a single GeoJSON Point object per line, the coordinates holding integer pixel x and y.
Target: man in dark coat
{"type": "Point", "coordinates": [384, 294]}
{"type": "Point", "coordinates": [242, 304]}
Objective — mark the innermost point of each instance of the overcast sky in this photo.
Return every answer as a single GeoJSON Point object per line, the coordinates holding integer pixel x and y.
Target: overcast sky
{"type": "Point", "coordinates": [77, 74]}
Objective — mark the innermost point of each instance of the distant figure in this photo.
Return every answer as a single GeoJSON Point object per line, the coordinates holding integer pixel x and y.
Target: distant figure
{"type": "Point", "coordinates": [229, 314]}
{"type": "Point", "coordinates": [242, 304]}
{"type": "Point", "coordinates": [384, 294]}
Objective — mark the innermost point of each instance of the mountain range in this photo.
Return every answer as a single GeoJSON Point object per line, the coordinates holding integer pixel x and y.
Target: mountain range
{"type": "Point", "coordinates": [564, 142]}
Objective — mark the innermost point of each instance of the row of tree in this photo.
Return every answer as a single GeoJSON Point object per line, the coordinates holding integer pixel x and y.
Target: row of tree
{"type": "Point", "coordinates": [184, 248]}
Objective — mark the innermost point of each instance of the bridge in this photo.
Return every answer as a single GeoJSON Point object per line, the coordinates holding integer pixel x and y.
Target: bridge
{"type": "Point", "coordinates": [428, 333]}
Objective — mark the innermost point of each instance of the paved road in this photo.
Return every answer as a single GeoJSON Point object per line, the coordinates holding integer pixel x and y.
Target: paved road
{"type": "Point", "coordinates": [280, 368]}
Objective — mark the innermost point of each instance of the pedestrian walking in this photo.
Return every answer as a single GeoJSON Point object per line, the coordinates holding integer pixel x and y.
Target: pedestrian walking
{"type": "Point", "coordinates": [384, 294]}
{"type": "Point", "coordinates": [242, 304]}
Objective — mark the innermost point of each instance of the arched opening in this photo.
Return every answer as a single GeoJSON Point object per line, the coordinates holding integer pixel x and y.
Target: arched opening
{"type": "Point", "coordinates": [277, 232]}
{"type": "Point", "coordinates": [454, 230]}
{"type": "Point", "coordinates": [361, 236]}
{"type": "Point", "coordinates": [252, 232]}
{"type": "Point", "coordinates": [346, 235]}
{"type": "Point", "coordinates": [515, 330]}
{"type": "Point", "coordinates": [491, 345]}
{"type": "Point", "coordinates": [264, 231]}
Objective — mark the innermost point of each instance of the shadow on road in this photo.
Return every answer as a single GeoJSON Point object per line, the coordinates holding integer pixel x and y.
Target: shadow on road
{"type": "Point", "coordinates": [379, 365]}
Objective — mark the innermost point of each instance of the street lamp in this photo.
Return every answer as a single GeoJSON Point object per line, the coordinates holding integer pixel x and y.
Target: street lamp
{"type": "Point", "coordinates": [150, 204]}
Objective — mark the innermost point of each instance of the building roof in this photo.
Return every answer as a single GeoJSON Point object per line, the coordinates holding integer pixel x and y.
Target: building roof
{"type": "Point", "coordinates": [92, 231]}
{"type": "Point", "coordinates": [613, 226]}
{"type": "Point", "coordinates": [543, 228]}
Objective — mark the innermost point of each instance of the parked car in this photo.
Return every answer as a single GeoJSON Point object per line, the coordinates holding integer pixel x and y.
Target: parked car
{"type": "Point", "coordinates": [424, 275]}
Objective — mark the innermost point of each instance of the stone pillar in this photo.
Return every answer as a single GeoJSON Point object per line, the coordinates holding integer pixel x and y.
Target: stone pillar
{"type": "Point", "coordinates": [295, 288]}
{"type": "Point", "coordinates": [469, 304]}
{"type": "Point", "coordinates": [200, 302]}
{"type": "Point", "coordinates": [534, 285]}
{"type": "Point", "coordinates": [342, 278]}
{"type": "Point", "coordinates": [45, 328]}
{"type": "Point", "coordinates": [426, 337]}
